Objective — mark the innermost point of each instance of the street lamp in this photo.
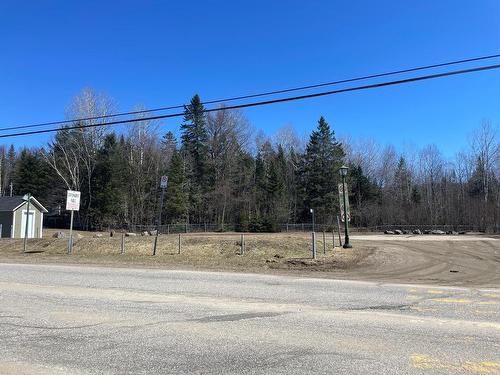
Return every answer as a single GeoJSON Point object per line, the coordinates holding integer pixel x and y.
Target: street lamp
{"type": "Point", "coordinates": [26, 198]}
{"type": "Point", "coordinates": [312, 213]}
{"type": "Point", "coordinates": [343, 173]}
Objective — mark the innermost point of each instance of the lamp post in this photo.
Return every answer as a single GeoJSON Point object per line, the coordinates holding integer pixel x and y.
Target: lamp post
{"type": "Point", "coordinates": [312, 213]}
{"type": "Point", "coordinates": [343, 173]}
{"type": "Point", "coordinates": [26, 198]}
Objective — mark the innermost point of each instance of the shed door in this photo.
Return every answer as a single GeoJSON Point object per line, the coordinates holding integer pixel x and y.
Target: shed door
{"type": "Point", "coordinates": [31, 224]}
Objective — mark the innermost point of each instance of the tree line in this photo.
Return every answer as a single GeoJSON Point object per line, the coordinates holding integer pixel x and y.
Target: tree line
{"type": "Point", "coordinates": [220, 173]}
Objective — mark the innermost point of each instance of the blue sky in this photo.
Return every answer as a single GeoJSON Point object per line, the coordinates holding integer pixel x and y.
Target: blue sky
{"type": "Point", "coordinates": [161, 53]}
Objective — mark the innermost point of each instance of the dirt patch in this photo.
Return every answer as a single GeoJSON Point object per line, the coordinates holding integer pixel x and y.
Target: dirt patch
{"type": "Point", "coordinates": [471, 260]}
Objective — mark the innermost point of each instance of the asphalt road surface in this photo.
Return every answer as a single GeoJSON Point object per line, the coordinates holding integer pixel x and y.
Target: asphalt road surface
{"type": "Point", "coordinates": [96, 320]}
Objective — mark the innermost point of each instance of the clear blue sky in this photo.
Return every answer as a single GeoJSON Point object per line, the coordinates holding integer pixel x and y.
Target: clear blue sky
{"type": "Point", "coordinates": [160, 53]}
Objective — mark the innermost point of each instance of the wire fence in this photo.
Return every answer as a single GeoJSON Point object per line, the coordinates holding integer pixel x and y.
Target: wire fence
{"type": "Point", "coordinates": [289, 227]}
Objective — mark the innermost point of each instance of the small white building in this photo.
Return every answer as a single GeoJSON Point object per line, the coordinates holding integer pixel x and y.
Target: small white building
{"type": "Point", "coordinates": [13, 215]}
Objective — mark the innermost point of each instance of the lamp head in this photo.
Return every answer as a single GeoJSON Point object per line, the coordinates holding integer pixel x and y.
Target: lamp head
{"type": "Point", "coordinates": [343, 170]}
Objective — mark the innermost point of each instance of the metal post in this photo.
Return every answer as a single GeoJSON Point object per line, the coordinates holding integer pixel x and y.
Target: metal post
{"type": "Point", "coordinates": [347, 245]}
{"type": "Point", "coordinates": [333, 238]}
{"type": "Point", "coordinates": [27, 223]}
{"type": "Point", "coordinates": [312, 212]}
{"type": "Point", "coordinates": [1, 230]}
{"type": "Point", "coordinates": [168, 228]}
{"type": "Point", "coordinates": [314, 245]}
{"type": "Point", "coordinates": [242, 248]}
{"type": "Point", "coordinates": [324, 242]}
{"type": "Point", "coordinates": [159, 221]}
{"type": "Point", "coordinates": [340, 237]}
{"type": "Point", "coordinates": [70, 239]}
{"type": "Point", "coordinates": [179, 244]}
{"type": "Point", "coordinates": [122, 247]}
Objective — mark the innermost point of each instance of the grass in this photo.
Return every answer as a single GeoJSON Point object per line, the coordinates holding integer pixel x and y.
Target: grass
{"type": "Point", "coordinates": [277, 252]}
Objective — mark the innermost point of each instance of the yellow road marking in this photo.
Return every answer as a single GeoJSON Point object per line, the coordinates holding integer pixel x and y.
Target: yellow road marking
{"type": "Point", "coordinates": [491, 295]}
{"type": "Point", "coordinates": [435, 292]}
{"type": "Point", "coordinates": [423, 361]}
{"type": "Point", "coordinates": [452, 300]}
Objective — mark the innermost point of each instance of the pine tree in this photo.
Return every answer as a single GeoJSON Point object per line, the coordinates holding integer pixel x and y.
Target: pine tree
{"type": "Point", "coordinates": [108, 184]}
{"type": "Point", "coordinates": [177, 199]}
{"type": "Point", "coordinates": [320, 172]}
{"type": "Point", "coordinates": [32, 175]}
{"type": "Point", "coordinates": [195, 150]}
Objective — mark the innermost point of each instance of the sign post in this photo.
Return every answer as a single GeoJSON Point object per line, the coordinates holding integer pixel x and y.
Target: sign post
{"type": "Point", "coordinates": [163, 186]}
{"type": "Point", "coordinates": [27, 198]}
{"type": "Point", "coordinates": [72, 204]}
{"type": "Point", "coordinates": [344, 204]}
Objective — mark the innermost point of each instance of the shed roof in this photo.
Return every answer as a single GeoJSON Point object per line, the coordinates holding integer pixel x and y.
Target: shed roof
{"type": "Point", "coordinates": [11, 203]}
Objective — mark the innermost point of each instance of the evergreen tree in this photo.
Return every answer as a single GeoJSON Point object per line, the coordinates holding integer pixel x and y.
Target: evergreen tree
{"type": "Point", "coordinates": [32, 175]}
{"type": "Point", "coordinates": [320, 173]}
{"type": "Point", "coordinates": [176, 202]}
{"type": "Point", "coordinates": [195, 150]}
{"type": "Point", "coordinates": [108, 184]}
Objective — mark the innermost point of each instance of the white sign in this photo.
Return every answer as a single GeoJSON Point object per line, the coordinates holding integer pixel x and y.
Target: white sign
{"type": "Point", "coordinates": [164, 182]}
{"type": "Point", "coordinates": [73, 200]}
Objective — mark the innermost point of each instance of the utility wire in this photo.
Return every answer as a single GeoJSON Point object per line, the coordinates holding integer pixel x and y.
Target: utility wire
{"type": "Point", "coordinates": [273, 101]}
{"type": "Point", "coordinates": [268, 93]}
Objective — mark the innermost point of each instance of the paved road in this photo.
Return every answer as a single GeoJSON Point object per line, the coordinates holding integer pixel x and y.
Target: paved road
{"type": "Point", "coordinates": [84, 320]}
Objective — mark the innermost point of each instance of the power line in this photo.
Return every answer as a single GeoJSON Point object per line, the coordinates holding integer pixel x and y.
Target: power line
{"type": "Point", "coordinates": [267, 93]}
{"type": "Point", "coordinates": [267, 102]}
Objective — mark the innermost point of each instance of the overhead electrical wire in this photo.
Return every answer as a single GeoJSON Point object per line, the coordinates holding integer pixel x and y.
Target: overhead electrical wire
{"type": "Point", "coordinates": [267, 93]}
{"type": "Point", "coordinates": [267, 102]}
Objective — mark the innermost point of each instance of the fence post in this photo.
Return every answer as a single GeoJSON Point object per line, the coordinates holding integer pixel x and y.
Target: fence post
{"type": "Point", "coordinates": [154, 243]}
{"type": "Point", "coordinates": [313, 245]}
{"type": "Point", "coordinates": [179, 245]}
{"type": "Point", "coordinates": [242, 244]}
{"type": "Point", "coordinates": [338, 225]}
{"type": "Point", "coordinates": [333, 238]}
{"type": "Point", "coordinates": [324, 242]}
{"type": "Point", "coordinates": [122, 246]}
{"type": "Point", "coordinates": [186, 227]}
{"type": "Point", "coordinates": [205, 227]}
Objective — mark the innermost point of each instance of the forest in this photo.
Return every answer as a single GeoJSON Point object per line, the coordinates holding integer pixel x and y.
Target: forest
{"type": "Point", "coordinates": [223, 172]}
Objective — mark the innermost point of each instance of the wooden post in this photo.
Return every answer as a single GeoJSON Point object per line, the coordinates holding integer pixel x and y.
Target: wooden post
{"type": "Point", "coordinates": [155, 242]}
{"type": "Point", "coordinates": [122, 245]}
{"type": "Point", "coordinates": [179, 245]}
{"type": "Point", "coordinates": [314, 245]}
{"type": "Point", "coordinates": [242, 245]}
{"type": "Point", "coordinates": [324, 242]}
{"type": "Point", "coordinates": [333, 238]}
{"type": "Point", "coordinates": [338, 225]}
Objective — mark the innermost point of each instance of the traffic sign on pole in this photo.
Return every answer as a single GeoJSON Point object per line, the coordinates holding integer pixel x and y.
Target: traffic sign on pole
{"type": "Point", "coordinates": [72, 204]}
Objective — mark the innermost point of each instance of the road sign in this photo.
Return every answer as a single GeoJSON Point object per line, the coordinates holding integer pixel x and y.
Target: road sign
{"type": "Point", "coordinates": [341, 199]}
{"type": "Point", "coordinates": [164, 182]}
{"type": "Point", "coordinates": [73, 200]}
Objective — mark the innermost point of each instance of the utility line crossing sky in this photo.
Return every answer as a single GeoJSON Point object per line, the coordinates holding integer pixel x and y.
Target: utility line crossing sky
{"type": "Point", "coordinates": [161, 53]}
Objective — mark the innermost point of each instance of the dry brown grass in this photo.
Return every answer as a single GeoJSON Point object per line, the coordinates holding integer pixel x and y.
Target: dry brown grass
{"type": "Point", "coordinates": [214, 251]}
